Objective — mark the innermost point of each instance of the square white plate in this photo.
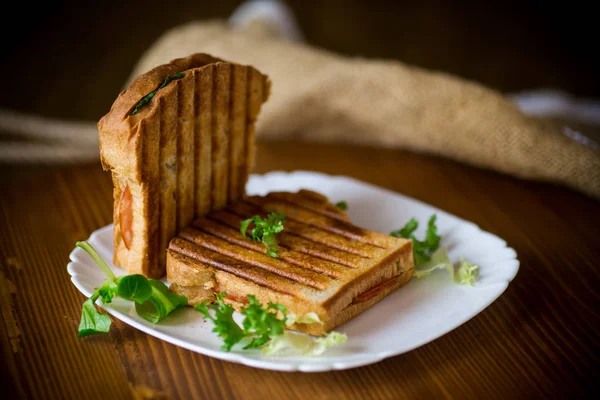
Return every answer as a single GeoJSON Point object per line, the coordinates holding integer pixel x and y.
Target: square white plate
{"type": "Point", "coordinates": [414, 315]}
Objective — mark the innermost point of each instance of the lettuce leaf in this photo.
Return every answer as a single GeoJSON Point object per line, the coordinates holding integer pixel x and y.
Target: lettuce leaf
{"type": "Point", "coordinates": [308, 318]}
{"type": "Point", "coordinates": [92, 321]}
{"type": "Point", "coordinates": [465, 273]}
{"type": "Point", "coordinates": [301, 343]}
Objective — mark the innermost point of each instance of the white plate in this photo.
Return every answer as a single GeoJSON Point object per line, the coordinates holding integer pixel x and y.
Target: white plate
{"type": "Point", "coordinates": [416, 314]}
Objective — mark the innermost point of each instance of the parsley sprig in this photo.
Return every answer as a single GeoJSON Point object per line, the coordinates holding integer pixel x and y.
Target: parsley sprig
{"type": "Point", "coordinates": [342, 205]}
{"type": "Point", "coordinates": [258, 327]}
{"type": "Point", "coordinates": [152, 298]}
{"type": "Point", "coordinates": [150, 95]}
{"type": "Point", "coordinates": [265, 230]}
{"type": "Point", "coordinates": [422, 249]}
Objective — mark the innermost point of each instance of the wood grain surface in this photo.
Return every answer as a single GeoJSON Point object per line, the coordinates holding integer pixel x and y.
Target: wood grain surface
{"type": "Point", "coordinates": [538, 340]}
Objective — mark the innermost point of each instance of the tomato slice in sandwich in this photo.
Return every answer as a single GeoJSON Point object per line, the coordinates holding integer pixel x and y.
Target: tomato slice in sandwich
{"type": "Point", "coordinates": [126, 217]}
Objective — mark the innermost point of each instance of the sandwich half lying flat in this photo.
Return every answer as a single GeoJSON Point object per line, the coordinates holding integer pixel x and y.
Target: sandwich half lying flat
{"type": "Point", "coordinates": [179, 142]}
{"type": "Point", "coordinates": [325, 264]}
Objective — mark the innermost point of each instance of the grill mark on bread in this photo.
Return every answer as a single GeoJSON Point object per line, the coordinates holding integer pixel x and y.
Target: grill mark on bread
{"type": "Point", "coordinates": [305, 200]}
{"type": "Point", "coordinates": [308, 232]}
{"type": "Point", "coordinates": [318, 250]}
{"type": "Point", "coordinates": [168, 174]}
{"type": "Point", "coordinates": [149, 223]}
{"type": "Point", "coordinates": [273, 265]}
{"type": "Point", "coordinates": [216, 227]}
{"type": "Point", "coordinates": [185, 151]}
{"type": "Point", "coordinates": [235, 267]}
{"type": "Point", "coordinates": [213, 134]}
{"type": "Point", "coordinates": [335, 241]}
{"type": "Point", "coordinates": [245, 166]}
{"type": "Point", "coordinates": [255, 99]}
{"type": "Point", "coordinates": [221, 128]}
{"type": "Point", "coordinates": [292, 242]}
{"type": "Point", "coordinates": [292, 211]}
{"type": "Point", "coordinates": [333, 225]}
{"type": "Point", "coordinates": [237, 154]}
{"type": "Point", "coordinates": [295, 243]}
{"type": "Point", "coordinates": [203, 142]}
{"type": "Point", "coordinates": [332, 270]}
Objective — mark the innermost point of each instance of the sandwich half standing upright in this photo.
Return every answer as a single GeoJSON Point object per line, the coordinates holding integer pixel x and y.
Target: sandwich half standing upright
{"type": "Point", "coordinates": [180, 145]}
{"type": "Point", "coordinates": [179, 142]}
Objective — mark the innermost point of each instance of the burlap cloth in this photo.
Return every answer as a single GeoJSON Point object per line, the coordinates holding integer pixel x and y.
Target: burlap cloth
{"type": "Point", "coordinates": [321, 96]}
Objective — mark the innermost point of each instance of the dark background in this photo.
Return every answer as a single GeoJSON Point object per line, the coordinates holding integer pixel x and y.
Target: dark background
{"type": "Point", "coordinates": [84, 51]}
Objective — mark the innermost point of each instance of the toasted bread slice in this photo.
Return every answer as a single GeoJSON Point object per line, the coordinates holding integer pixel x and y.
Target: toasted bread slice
{"type": "Point", "coordinates": [179, 142]}
{"type": "Point", "coordinates": [326, 264]}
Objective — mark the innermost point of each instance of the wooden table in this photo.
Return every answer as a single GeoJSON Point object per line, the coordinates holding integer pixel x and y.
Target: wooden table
{"type": "Point", "coordinates": [538, 340]}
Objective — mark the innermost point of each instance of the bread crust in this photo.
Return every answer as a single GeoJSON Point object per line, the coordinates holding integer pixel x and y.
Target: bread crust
{"type": "Point", "coordinates": [173, 153]}
{"type": "Point", "coordinates": [203, 143]}
{"type": "Point", "coordinates": [353, 309]}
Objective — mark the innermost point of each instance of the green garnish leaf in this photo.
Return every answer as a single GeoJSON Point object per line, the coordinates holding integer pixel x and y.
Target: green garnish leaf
{"type": "Point", "coordinates": [272, 253]}
{"type": "Point", "coordinates": [263, 328]}
{"type": "Point", "coordinates": [150, 95]}
{"type": "Point", "coordinates": [244, 226]}
{"type": "Point", "coordinates": [153, 301]}
{"type": "Point", "coordinates": [225, 326]}
{"type": "Point", "coordinates": [259, 325]}
{"type": "Point", "coordinates": [408, 229]}
{"type": "Point", "coordinates": [262, 323]}
{"type": "Point", "coordinates": [92, 321]}
{"type": "Point", "coordinates": [342, 205]}
{"type": "Point", "coordinates": [107, 291]}
{"type": "Point", "coordinates": [160, 303]}
{"type": "Point", "coordinates": [432, 239]}
{"type": "Point", "coordinates": [134, 287]}
{"type": "Point", "coordinates": [422, 250]}
{"type": "Point", "coordinates": [429, 256]}
{"type": "Point", "coordinates": [265, 230]}
{"type": "Point", "coordinates": [96, 257]}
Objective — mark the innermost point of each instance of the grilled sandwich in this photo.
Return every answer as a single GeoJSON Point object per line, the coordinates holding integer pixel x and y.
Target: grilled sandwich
{"type": "Point", "coordinates": [326, 265]}
{"type": "Point", "coordinates": [179, 143]}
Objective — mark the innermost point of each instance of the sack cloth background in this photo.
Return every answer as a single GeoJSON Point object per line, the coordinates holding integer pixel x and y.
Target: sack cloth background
{"type": "Point", "coordinates": [320, 96]}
